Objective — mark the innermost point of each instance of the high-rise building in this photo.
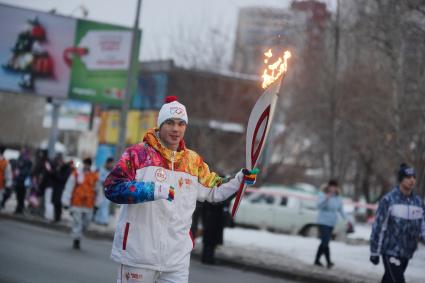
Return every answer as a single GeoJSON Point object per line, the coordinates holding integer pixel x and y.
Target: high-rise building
{"type": "Point", "coordinates": [260, 29]}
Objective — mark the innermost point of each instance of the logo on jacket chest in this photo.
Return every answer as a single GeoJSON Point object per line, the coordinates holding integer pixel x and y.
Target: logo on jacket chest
{"type": "Point", "coordinates": [186, 181]}
{"type": "Point", "coordinates": [160, 175]}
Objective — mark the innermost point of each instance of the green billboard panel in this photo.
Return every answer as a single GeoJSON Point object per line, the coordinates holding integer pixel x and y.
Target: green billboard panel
{"type": "Point", "coordinates": [100, 62]}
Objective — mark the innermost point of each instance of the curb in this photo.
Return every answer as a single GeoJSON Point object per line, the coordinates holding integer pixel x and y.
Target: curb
{"type": "Point", "coordinates": [63, 227]}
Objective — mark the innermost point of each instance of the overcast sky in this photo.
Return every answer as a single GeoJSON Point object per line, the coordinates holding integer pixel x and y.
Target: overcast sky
{"type": "Point", "coordinates": [162, 21]}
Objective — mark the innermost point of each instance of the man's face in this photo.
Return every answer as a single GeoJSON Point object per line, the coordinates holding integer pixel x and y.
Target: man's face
{"type": "Point", "coordinates": [408, 183]}
{"type": "Point", "coordinates": [333, 189]}
{"type": "Point", "coordinates": [86, 167]}
{"type": "Point", "coordinates": [172, 132]}
{"type": "Point", "coordinates": [109, 165]}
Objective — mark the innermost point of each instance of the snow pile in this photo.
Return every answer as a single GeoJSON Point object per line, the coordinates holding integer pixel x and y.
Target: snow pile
{"type": "Point", "coordinates": [348, 259]}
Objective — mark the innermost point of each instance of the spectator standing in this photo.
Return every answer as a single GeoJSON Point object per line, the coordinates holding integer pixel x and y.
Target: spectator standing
{"type": "Point", "coordinates": [22, 179]}
{"type": "Point", "coordinates": [61, 172]}
{"type": "Point", "coordinates": [9, 189]}
{"type": "Point", "coordinates": [213, 222]}
{"type": "Point", "coordinates": [102, 213]}
{"type": "Point", "coordinates": [329, 205]}
{"type": "Point", "coordinates": [5, 175]}
{"type": "Point", "coordinates": [43, 176]}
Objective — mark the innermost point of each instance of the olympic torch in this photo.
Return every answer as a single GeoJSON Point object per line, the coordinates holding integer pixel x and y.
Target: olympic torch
{"type": "Point", "coordinates": [261, 116]}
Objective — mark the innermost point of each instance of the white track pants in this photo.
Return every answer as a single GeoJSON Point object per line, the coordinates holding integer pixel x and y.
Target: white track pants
{"type": "Point", "coordinates": [81, 218]}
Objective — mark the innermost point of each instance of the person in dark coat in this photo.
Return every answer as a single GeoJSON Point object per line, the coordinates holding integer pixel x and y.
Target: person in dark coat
{"type": "Point", "coordinates": [22, 179]}
{"type": "Point", "coordinates": [213, 221]}
{"type": "Point", "coordinates": [42, 181]}
{"type": "Point", "coordinates": [43, 172]}
{"type": "Point", "coordinates": [61, 172]}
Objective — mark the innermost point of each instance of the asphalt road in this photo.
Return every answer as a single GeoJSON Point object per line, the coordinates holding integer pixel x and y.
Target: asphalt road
{"type": "Point", "coordinates": [32, 254]}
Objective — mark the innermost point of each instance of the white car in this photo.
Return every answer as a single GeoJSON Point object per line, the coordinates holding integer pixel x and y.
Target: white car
{"type": "Point", "coordinates": [284, 209]}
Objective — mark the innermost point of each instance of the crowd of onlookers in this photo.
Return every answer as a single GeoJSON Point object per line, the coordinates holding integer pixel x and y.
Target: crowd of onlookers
{"type": "Point", "coordinates": [38, 183]}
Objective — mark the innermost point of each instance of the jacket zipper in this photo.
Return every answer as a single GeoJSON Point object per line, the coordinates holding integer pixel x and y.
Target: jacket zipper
{"type": "Point", "coordinates": [408, 209]}
{"type": "Point", "coordinates": [160, 246]}
{"type": "Point", "coordinates": [172, 161]}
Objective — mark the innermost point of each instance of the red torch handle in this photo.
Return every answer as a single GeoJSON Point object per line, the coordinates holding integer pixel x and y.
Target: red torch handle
{"type": "Point", "coordinates": [238, 198]}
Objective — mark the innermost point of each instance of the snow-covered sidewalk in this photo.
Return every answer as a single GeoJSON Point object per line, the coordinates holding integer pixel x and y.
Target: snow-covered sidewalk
{"type": "Point", "coordinates": [297, 254]}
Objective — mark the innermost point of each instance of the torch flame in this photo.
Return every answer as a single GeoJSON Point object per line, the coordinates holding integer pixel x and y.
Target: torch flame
{"type": "Point", "coordinates": [275, 70]}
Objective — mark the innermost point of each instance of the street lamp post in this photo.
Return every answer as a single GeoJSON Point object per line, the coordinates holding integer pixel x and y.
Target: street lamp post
{"type": "Point", "coordinates": [127, 94]}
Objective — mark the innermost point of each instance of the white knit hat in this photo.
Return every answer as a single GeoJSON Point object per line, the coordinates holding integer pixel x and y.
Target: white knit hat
{"type": "Point", "coordinates": [172, 109]}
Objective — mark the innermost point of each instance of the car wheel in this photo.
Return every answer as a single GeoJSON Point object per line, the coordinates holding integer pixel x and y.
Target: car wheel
{"type": "Point", "coordinates": [262, 226]}
{"type": "Point", "coordinates": [311, 231]}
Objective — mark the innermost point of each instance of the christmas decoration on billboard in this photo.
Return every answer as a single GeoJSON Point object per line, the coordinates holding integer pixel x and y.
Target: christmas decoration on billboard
{"type": "Point", "coordinates": [29, 57]}
{"type": "Point", "coordinates": [49, 55]}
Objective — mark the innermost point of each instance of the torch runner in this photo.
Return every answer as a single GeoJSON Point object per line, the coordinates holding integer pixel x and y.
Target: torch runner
{"type": "Point", "coordinates": [261, 116]}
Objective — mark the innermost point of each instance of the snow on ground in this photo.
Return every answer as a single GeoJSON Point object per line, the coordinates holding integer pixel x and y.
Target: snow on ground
{"type": "Point", "coordinates": [352, 258]}
{"type": "Point", "coordinates": [361, 232]}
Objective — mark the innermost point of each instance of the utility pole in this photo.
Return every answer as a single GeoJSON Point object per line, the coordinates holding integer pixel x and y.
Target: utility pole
{"type": "Point", "coordinates": [333, 106]}
{"type": "Point", "coordinates": [127, 93]}
{"type": "Point", "coordinates": [54, 130]}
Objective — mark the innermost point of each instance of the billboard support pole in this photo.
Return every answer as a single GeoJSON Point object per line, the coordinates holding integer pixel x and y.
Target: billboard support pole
{"type": "Point", "coordinates": [127, 94]}
{"type": "Point", "coordinates": [54, 130]}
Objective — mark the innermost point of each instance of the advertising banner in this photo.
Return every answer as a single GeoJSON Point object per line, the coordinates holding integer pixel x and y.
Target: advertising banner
{"type": "Point", "coordinates": [104, 151]}
{"type": "Point", "coordinates": [101, 58]}
{"type": "Point", "coordinates": [31, 49]}
{"type": "Point", "coordinates": [108, 130]}
{"type": "Point", "coordinates": [138, 122]}
{"type": "Point", "coordinates": [148, 119]}
{"type": "Point", "coordinates": [56, 56]}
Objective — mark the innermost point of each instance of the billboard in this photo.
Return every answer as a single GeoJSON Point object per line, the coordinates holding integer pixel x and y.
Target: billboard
{"type": "Point", "coordinates": [101, 58]}
{"type": "Point", "coordinates": [31, 52]}
{"type": "Point", "coordinates": [138, 122]}
{"type": "Point", "coordinates": [104, 151]}
{"type": "Point", "coordinates": [56, 56]}
{"type": "Point", "coordinates": [73, 115]}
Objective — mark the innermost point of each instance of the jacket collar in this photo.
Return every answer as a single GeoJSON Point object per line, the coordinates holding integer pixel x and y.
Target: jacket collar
{"type": "Point", "coordinates": [400, 194]}
{"type": "Point", "coordinates": [152, 139]}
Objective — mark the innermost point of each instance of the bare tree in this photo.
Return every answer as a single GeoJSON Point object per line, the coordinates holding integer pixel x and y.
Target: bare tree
{"type": "Point", "coordinates": [397, 29]}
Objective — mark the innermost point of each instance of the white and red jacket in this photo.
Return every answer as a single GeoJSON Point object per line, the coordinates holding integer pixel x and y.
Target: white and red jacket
{"type": "Point", "coordinates": [155, 234]}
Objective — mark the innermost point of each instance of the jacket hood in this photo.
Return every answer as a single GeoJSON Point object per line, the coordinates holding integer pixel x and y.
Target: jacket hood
{"type": "Point", "coordinates": [152, 139]}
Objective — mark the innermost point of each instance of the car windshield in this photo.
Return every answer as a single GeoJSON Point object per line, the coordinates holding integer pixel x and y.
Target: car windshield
{"type": "Point", "coordinates": [263, 198]}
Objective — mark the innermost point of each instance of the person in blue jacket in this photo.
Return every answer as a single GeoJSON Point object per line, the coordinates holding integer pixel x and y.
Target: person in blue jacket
{"type": "Point", "coordinates": [329, 204]}
{"type": "Point", "coordinates": [399, 225]}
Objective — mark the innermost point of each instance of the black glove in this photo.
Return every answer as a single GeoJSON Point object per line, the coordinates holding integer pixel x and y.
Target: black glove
{"type": "Point", "coordinates": [65, 207]}
{"type": "Point", "coordinates": [374, 259]}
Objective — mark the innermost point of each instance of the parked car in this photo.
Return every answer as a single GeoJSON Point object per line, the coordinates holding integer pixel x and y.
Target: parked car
{"type": "Point", "coordinates": [284, 209]}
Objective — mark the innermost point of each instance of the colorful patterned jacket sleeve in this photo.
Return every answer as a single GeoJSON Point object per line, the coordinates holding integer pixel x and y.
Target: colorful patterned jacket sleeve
{"type": "Point", "coordinates": [379, 226]}
{"type": "Point", "coordinates": [121, 186]}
